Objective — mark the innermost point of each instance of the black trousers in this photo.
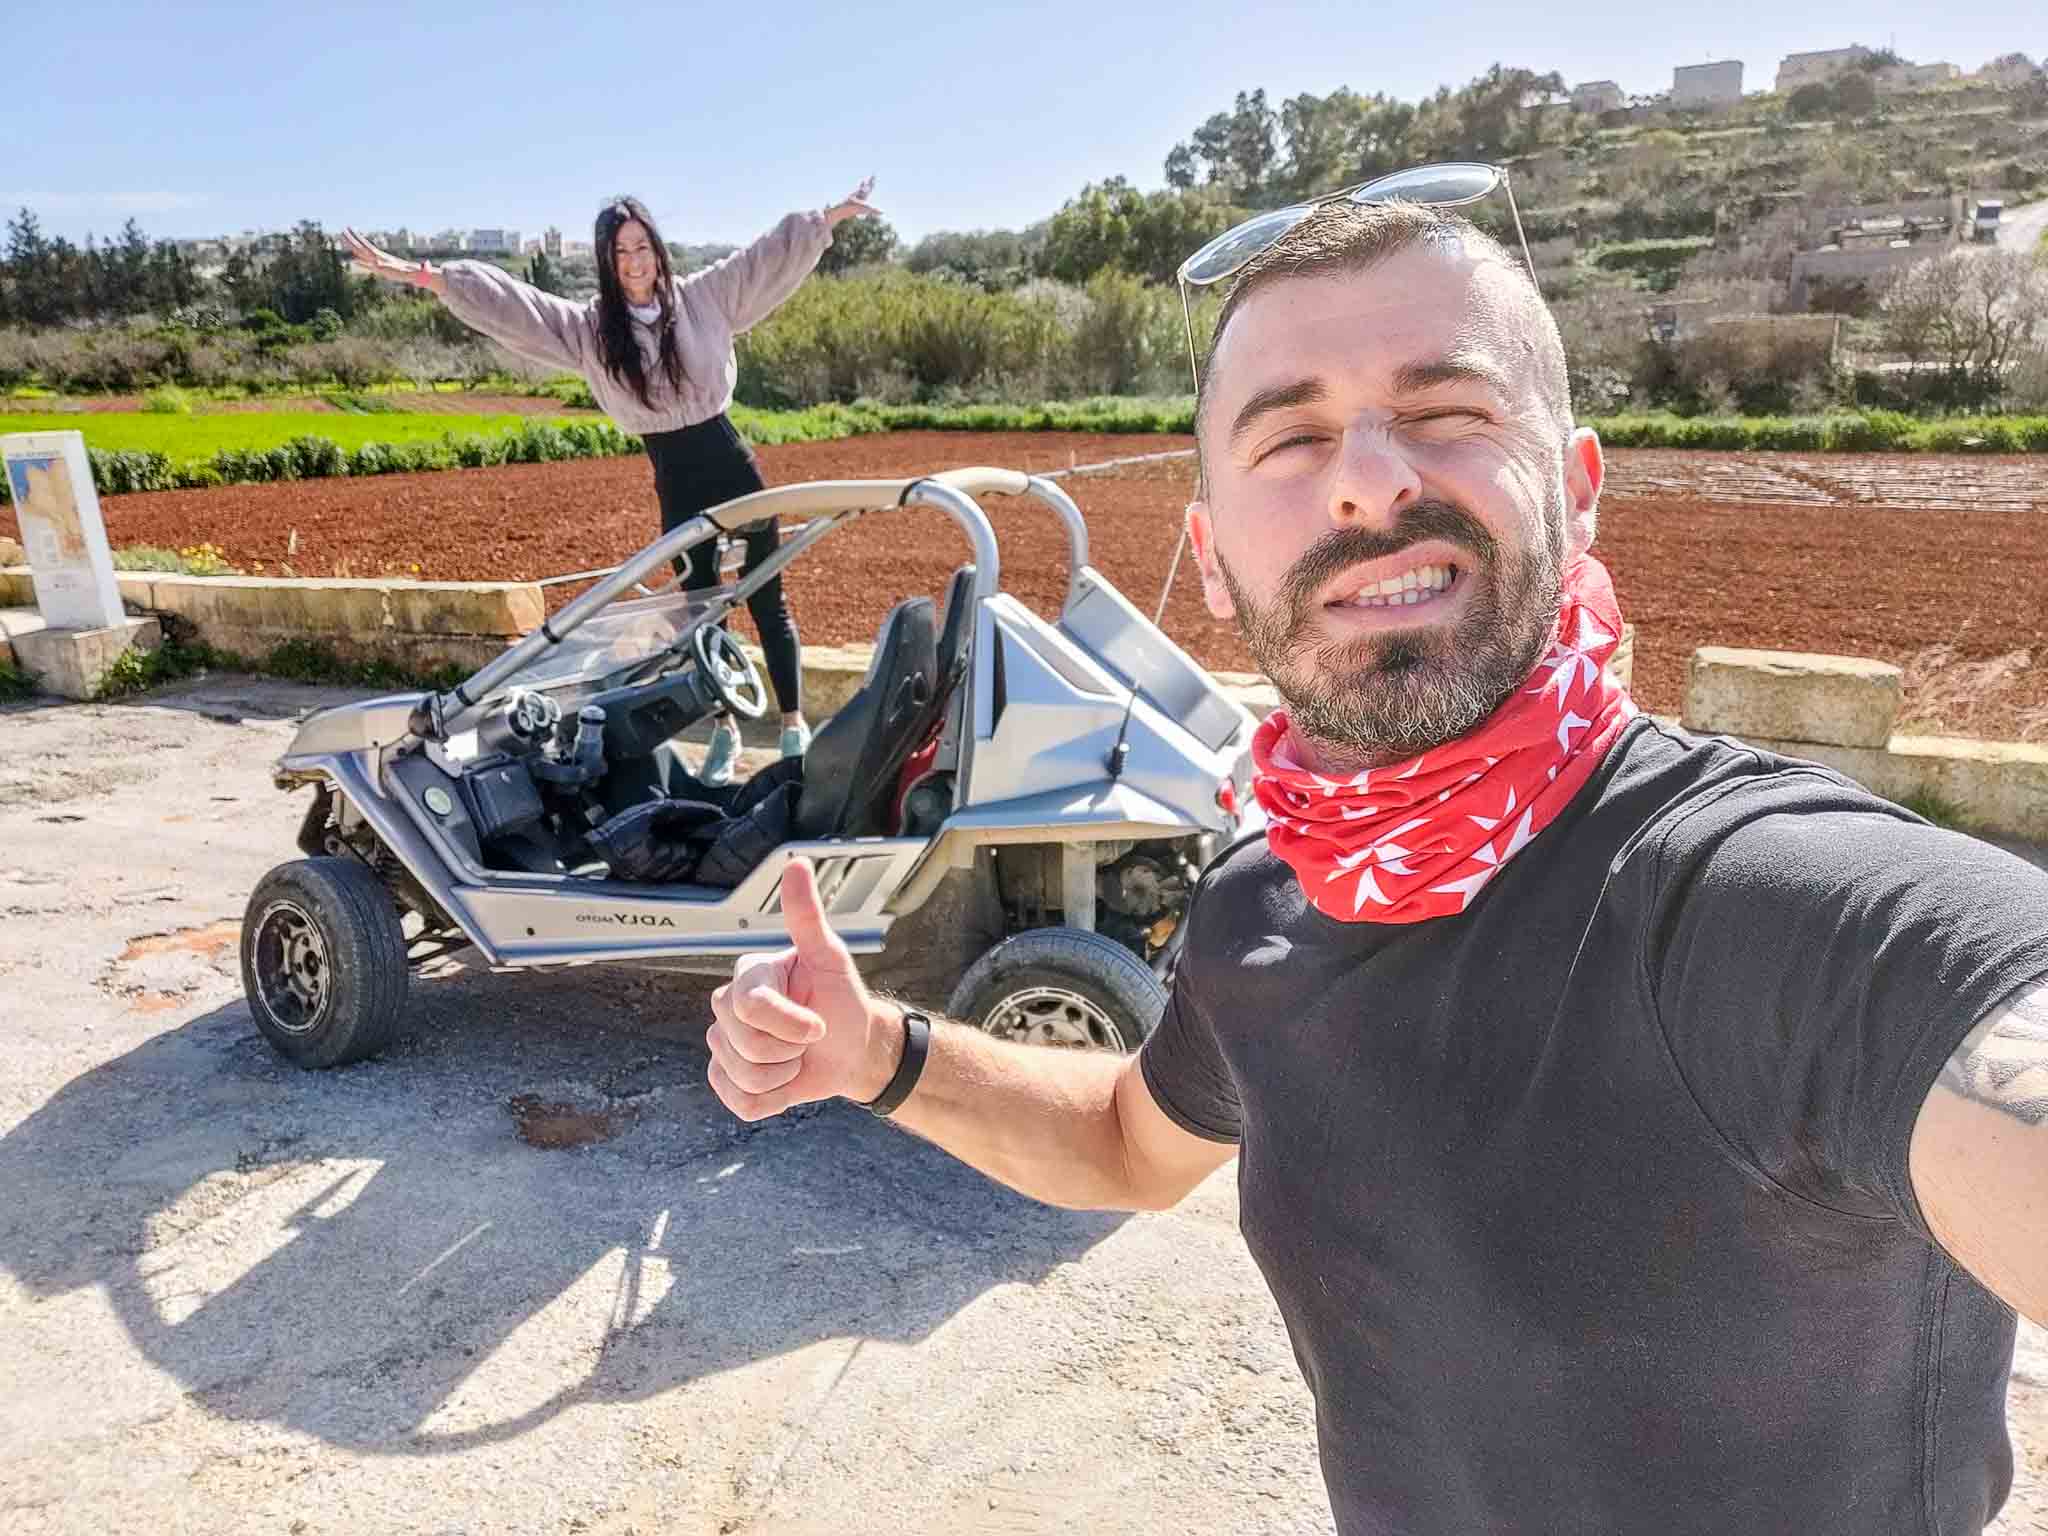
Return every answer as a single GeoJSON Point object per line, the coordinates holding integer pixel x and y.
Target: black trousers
{"type": "Point", "coordinates": [701, 466]}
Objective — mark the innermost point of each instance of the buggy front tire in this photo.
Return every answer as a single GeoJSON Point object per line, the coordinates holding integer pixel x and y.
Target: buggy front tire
{"type": "Point", "coordinates": [1061, 987]}
{"type": "Point", "coordinates": [323, 961]}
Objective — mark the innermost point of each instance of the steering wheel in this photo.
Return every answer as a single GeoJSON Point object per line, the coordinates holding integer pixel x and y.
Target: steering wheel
{"type": "Point", "coordinates": [734, 680]}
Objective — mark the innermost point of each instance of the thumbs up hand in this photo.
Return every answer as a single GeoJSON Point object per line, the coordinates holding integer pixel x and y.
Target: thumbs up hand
{"type": "Point", "coordinates": [800, 1025]}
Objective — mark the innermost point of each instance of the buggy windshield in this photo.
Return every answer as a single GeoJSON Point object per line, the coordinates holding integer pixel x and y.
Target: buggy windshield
{"type": "Point", "coordinates": [619, 635]}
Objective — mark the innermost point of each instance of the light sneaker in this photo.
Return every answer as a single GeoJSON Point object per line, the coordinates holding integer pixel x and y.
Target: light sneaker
{"type": "Point", "coordinates": [796, 740]}
{"type": "Point", "coordinates": [720, 757]}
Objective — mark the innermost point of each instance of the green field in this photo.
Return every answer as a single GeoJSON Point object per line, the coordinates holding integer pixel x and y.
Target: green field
{"type": "Point", "coordinates": [193, 439]}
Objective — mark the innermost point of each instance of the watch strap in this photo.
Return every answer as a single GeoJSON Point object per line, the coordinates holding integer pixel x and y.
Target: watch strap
{"type": "Point", "coordinates": [917, 1042]}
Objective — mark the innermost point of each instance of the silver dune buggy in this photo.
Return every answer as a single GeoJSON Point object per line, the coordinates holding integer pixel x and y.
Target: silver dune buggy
{"type": "Point", "coordinates": [1016, 806]}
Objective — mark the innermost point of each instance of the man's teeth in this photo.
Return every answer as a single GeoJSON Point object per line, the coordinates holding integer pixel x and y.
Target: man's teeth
{"type": "Point", "coordinates": [1425, 581]}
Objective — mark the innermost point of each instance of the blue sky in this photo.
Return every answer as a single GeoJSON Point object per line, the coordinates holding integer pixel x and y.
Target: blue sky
{"type": "Point", "coordinates": [206, 117]}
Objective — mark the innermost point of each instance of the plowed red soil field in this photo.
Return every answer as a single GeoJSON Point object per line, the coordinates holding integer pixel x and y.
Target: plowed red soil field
{"type": "Point", "coordinates": [1935, 563]}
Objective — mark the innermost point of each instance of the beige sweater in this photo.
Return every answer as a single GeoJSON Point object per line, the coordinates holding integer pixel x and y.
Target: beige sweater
{"type": "Point", "coordinates": [711, 307]}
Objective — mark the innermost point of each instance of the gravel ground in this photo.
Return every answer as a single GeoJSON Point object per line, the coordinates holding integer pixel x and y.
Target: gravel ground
{"type": "Point", "coordinates": [239, 1297]}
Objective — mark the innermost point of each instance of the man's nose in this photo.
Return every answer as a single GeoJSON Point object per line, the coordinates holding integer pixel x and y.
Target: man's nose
{"type": "Point", "coordinates": [1373, 478]}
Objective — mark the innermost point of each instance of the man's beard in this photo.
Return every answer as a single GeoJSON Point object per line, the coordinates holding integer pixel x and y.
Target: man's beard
{"type": "Point", "coordinates": [1378, 699]}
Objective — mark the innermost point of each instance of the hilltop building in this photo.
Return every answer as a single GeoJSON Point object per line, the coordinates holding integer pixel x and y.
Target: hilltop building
{"type": "Point", "coordinates": [1914, 77]}
{"type": "Point", "coordinates": [1598, 96]}
{"type": "Point", "coordinates": [1707, 85]}
{"type": "Point", "coordinates": [2010, 71]}
{"type": "Point", "coordinates": [1817, 68]}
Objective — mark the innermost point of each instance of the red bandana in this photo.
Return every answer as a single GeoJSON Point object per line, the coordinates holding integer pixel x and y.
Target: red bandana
{"type": "Point", "coordinates": [1421, 838]}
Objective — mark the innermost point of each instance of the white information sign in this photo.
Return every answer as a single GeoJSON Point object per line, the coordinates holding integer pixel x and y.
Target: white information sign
{"type": "Point", "coordinates": [58, 508]}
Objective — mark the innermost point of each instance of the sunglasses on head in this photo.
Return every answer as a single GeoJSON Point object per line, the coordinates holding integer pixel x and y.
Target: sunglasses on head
{"type": "Point", "coordinates": [1452, 184]}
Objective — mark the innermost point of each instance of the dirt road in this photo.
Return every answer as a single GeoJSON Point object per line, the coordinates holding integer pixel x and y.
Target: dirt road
{"type": "Point", "coordinates": [239, 1297]}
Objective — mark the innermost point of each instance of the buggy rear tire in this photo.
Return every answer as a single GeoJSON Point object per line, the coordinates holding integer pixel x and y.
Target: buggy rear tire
{"type": "Point", "coordinates": [1061, 987]}
{"type": "Point", "coordinates": [323, 961]}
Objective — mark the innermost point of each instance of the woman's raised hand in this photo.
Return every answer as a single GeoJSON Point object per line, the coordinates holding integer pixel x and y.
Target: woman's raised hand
{"type": "Point", "coordinates": [383, 264]}
{"type": "Point", "coordinates": [855, 206]}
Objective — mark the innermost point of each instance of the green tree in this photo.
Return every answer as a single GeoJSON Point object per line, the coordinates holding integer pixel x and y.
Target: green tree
{"type": "Point", "coordinates": [990, 259]}
{"type": "Point", "coordinates": [1340, 139]}
{"type": "Point", "coordinates": [1112, 225]}
{"type": "Point", "coordinates": [32, 272]}
{"type": "Point", "coordinates": [1498, 114]}
{"type": "Point", "coordinates": [543, 274]}
{"type": "Point", "coordinates": [1235, 151]}
{"type": "Point", "coordinates": [862, 242]}
{"type": "Point", "coordinates": [296, 275]}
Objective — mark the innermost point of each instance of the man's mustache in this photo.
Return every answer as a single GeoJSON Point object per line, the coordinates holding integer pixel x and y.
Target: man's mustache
{"type": "Point", "coordinates": [1341, 548]}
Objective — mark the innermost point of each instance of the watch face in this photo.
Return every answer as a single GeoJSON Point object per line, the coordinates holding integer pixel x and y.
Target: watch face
{"type": "Point", "coordinates": [438, 800]}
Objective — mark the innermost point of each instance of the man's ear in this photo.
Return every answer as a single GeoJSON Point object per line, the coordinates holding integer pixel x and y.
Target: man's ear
{"type": "Point", "coordinates": [1202, 535]}
{"type": "Point", "coordinates": [1585, 471]}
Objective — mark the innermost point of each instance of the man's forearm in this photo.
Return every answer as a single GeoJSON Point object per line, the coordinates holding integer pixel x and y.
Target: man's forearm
{"type": "Point", "coordinates": [1040, 1120]}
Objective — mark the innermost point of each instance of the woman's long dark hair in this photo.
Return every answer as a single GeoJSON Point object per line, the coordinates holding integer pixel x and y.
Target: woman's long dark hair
{"type": "Point", "coordinates": [617, 347]}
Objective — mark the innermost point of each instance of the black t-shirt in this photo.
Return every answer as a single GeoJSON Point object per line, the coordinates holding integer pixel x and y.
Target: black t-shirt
{"type": "Point", "coordinates": [1587, 1209]}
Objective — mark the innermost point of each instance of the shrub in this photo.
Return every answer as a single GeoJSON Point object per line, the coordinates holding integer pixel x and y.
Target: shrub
{"type": "Point", "coordinates": [350, 361]}
{"type": "Point", "coordinates": [147, 557]}
{"type": "Point", "coordinates": [169, 400]}
{"type": "Point", "coordinates": [471, 450]}
{"type": "Point", "coordinates": [1755, 365]}
{"type": "Point", "coordinates": [373, 459]}
{"type": "Point", "coordinates": [844, 338]}
{"type": "Point", "coordinates": [538, 443]}
{"type": "Point", "coordinates": [1112, 344]}
{"type": "Point", "coordinates": [1656, 262]}
{"type": "Point", "coordinates": [125, 472]}
{"type": "Point", "coordinates": [1871, 432]}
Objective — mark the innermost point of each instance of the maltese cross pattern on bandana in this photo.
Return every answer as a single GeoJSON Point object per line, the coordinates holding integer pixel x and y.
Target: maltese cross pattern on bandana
{"type": "Point", "coordinates": [1421, 838]}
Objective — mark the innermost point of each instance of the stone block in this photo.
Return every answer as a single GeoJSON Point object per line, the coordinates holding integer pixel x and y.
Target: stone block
{"type": "Point", "coordinates": [504, 608]}
{"type": "Point", "coordinates": [1622, 664]}
{"type": "Point", "coordinates": [1999, 788]}
{"type": "Point", "coordinates": [832, 675]}
{"type": "Point", "coordinates": [329, 608]}
{"type": "Point", "coordinates": [1842, 701]}
{"type": "Point", "coordinates": [199, 600]}
{"type": "Point", "coordinates": [11, 552]}
{"type": "Point", "coordinates": [72, 662]}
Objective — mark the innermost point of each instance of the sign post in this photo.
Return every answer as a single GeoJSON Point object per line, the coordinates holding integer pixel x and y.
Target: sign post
{"type": "Point", "coordinates": [58, 508]}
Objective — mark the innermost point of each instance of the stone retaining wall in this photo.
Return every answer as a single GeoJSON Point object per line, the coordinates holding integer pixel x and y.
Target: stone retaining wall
{"type": "Point", "coordinates": [420, 624]}
{"type": "Point", "coordinates": [1836, 710]}
{"type": "Point", "coordinates": [1840, 711]}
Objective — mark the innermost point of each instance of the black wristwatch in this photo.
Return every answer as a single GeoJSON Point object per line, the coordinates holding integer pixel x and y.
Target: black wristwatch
{"type": "Point", "coordinates": [917, 1043]}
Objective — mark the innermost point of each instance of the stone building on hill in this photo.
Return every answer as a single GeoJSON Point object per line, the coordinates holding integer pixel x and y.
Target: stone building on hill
{"type": "Point", "coordinates": [1914, 77]}
{"type": "Point", "coordinates": [1598, 96]}
{"type": "Point", "coordinates": [1706, 85]}
{"type": "Point", "coordinates": [1817, 68]}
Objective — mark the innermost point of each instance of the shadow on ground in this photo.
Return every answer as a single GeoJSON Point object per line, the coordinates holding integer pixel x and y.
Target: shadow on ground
{"type": "Point", "coordinates": [374, 1257]}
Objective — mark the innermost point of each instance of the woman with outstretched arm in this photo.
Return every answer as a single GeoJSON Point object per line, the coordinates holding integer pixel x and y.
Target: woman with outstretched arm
{"type": "Point", "coordinates": [657, 352]}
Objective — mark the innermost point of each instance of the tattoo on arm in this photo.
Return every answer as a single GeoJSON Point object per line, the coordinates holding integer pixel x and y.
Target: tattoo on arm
{"type": "Point", "coordinates": [2003, 1062]}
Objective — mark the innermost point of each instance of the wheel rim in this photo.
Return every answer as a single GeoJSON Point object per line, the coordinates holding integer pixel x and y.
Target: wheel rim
{"type": "Point", "coordinates": [1054, 1016]}
{"type": "Point", "coordinates": [293, 979]}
